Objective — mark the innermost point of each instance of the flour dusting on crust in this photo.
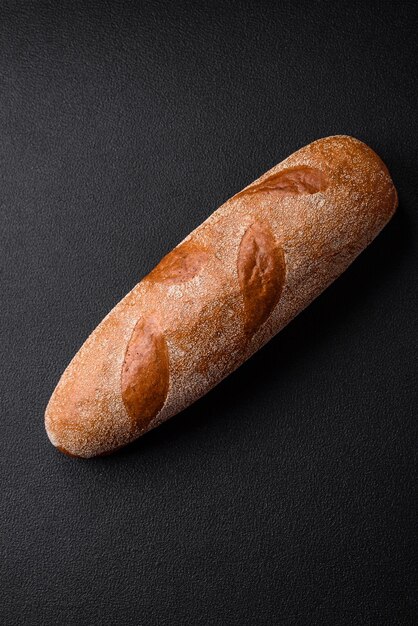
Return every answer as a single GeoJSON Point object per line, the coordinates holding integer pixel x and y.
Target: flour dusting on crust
{"type": "Point", "coordinates": [200, 306]}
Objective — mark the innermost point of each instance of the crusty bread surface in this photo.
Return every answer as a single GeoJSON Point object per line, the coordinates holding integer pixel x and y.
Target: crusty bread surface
{"type": "Point", "coordinates": [221, 294]}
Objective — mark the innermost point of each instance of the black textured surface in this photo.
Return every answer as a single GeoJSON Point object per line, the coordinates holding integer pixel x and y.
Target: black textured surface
{"type": "Point", "coordinates": [288, 494]}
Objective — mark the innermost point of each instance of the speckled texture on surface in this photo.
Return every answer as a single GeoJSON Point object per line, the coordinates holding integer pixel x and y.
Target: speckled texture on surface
{"type": "Point", "coordinates": [195, 333]}
{"type": "Point", "coordinates": [287, 494]}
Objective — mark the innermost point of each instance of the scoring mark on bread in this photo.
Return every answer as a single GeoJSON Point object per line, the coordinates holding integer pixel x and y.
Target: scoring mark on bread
{"type": "Point", "coordinates": [295, 180]}
{"type": "Point", "coordinates": [145, 373]}
{"type": "Point", "coordinates": [180, 265]}
{"type": "Point", "coordinates": [261, 273]}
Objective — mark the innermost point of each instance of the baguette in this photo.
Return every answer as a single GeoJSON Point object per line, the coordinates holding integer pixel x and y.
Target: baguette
{"type": "Point", "coordinates": [221, 294]}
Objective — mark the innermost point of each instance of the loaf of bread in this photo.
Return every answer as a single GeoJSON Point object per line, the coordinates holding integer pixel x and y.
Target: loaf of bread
{"type": "Point", "coordinates": [221, 294]}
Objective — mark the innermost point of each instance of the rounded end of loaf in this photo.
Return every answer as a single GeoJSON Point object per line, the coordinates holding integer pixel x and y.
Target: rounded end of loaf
{"type": "Point", "coordinates": [74, 439]}
{"type": "Point", "coordinates": [85, 416]}
{"type": "Point", "coordinates": [77, 438]}
{"type": "Point", "coordinates": [376, 181]}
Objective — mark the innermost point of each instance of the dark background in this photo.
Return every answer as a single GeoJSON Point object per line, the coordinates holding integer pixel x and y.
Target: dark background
{"type": "Point", "coordinates": [288, 494]}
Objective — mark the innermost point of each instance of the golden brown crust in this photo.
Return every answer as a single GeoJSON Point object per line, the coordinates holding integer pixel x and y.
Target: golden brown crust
{"type": "Point", "coordinates": [295, 180]}
{"type": "Point", "coordinates": [144, 380]}
{"type": "Point", "coordinates": [64, 451]}
{"type": "Point", "coordinates": [261, 274]}
{"type": "Point", "coordinates": [236, 280]}
{"type": "Point", "coordinates": [181, 264]}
